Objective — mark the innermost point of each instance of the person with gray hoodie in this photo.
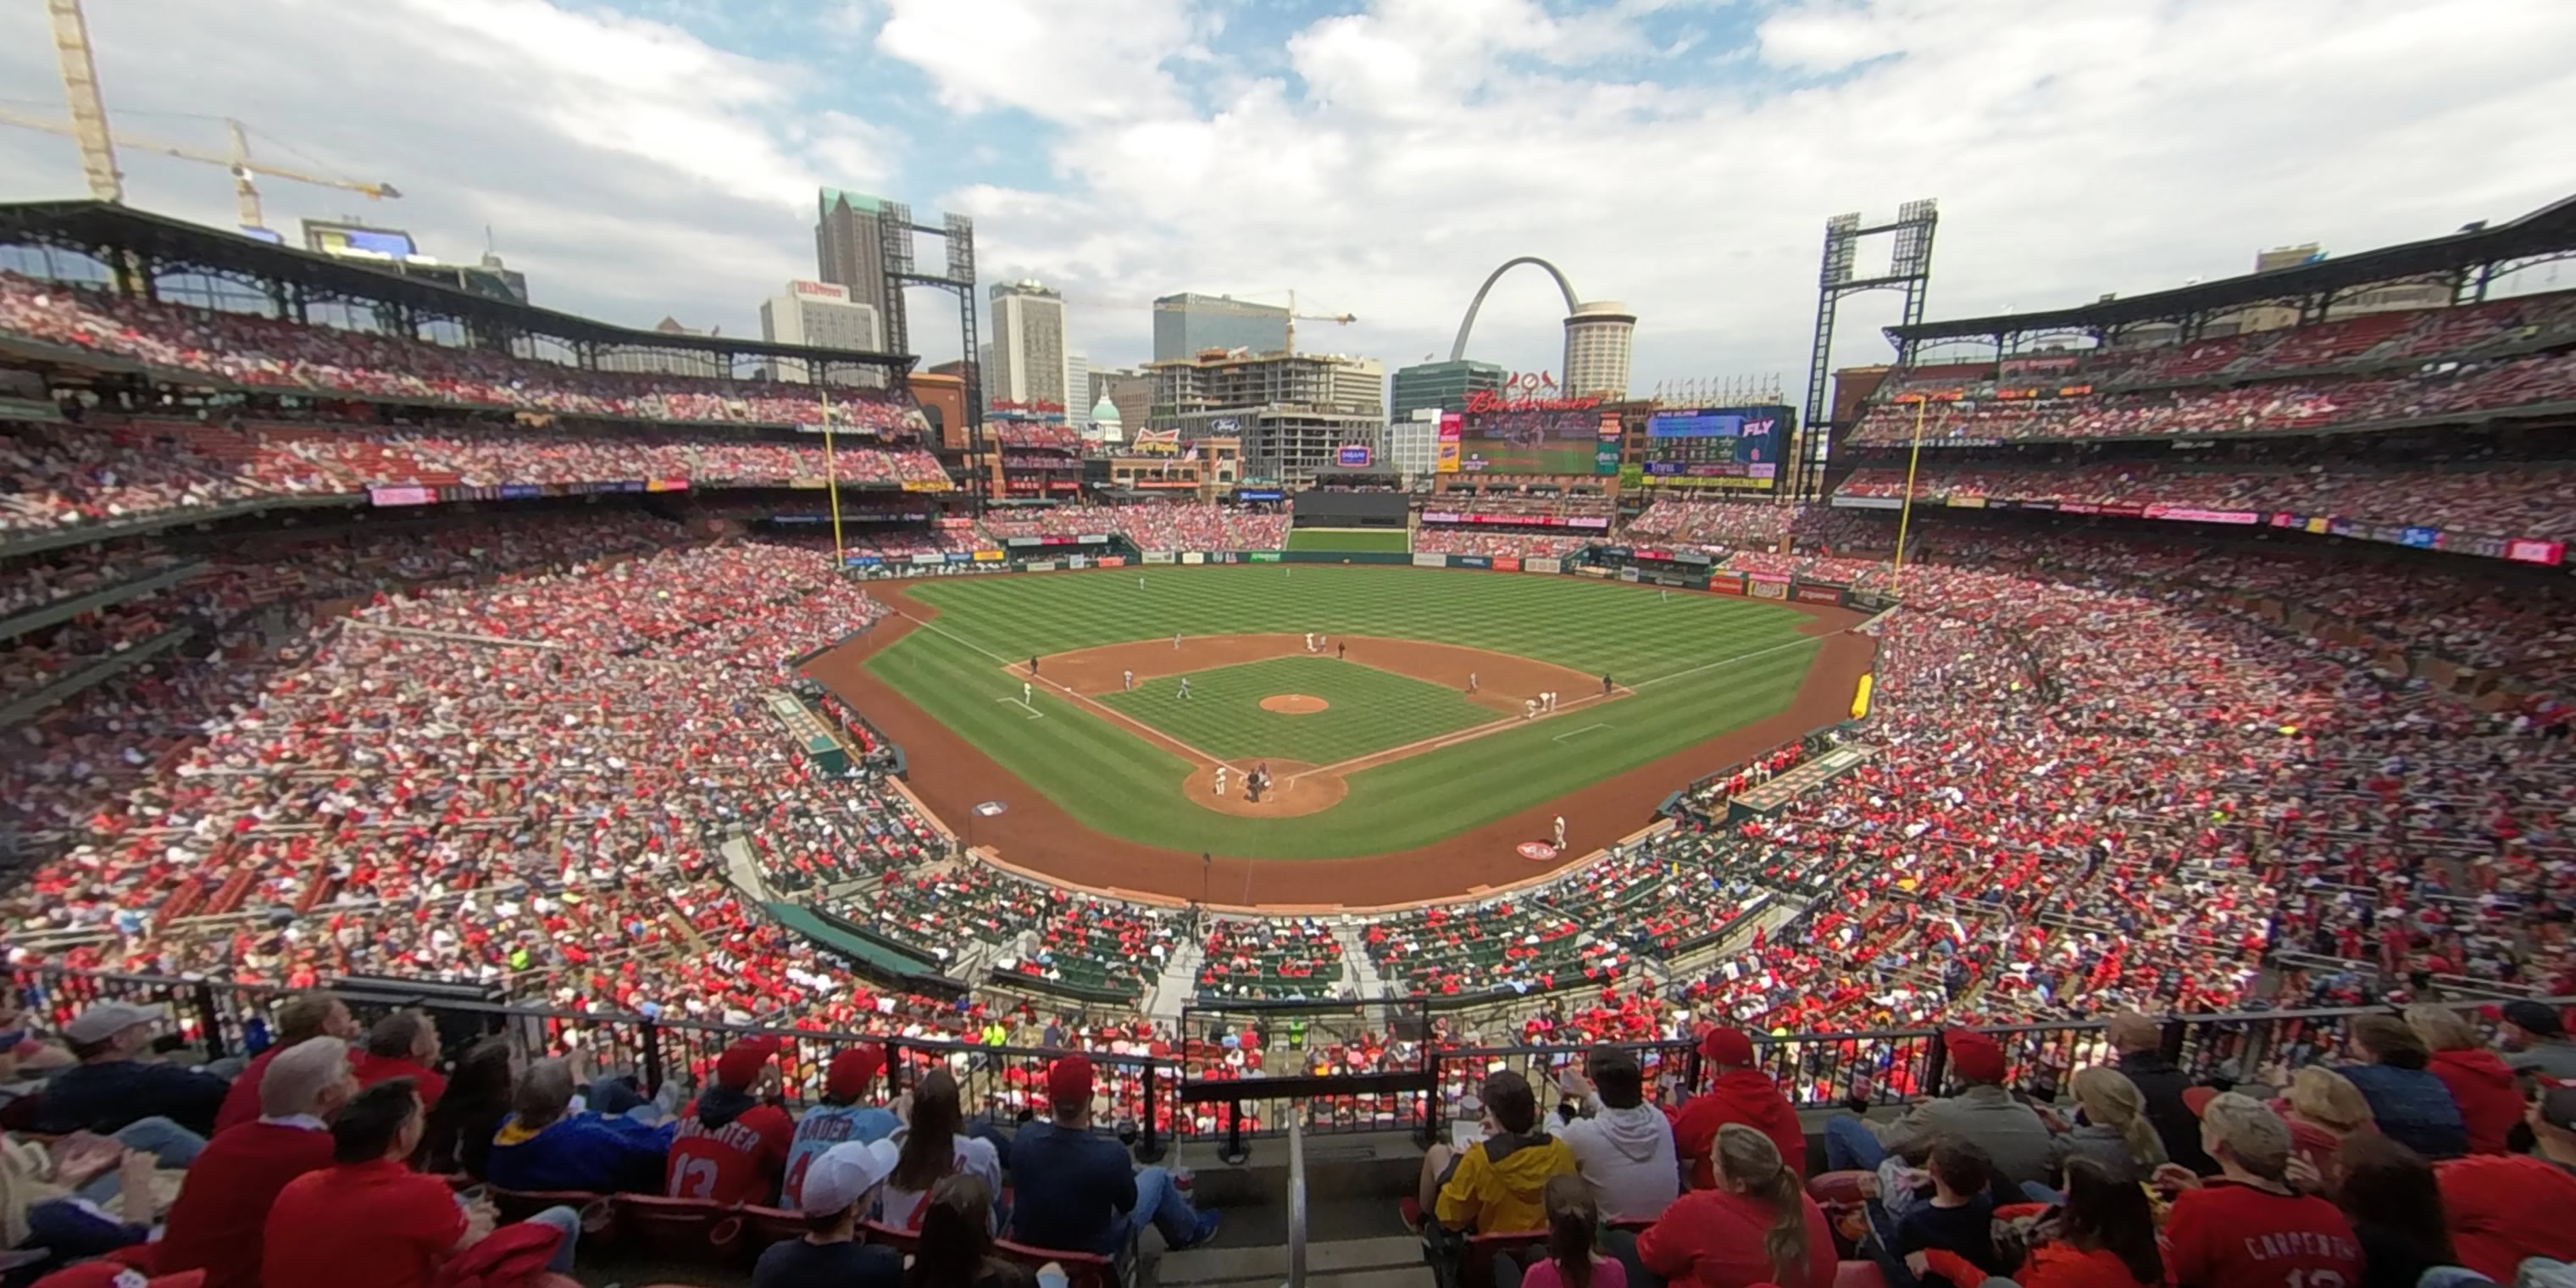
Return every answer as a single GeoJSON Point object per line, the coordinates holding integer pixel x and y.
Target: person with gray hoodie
{"type": "Point", "coordinates": [1622, 1146]}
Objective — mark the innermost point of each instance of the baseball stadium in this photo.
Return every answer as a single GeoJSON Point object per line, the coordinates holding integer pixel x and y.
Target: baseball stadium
{"type": "Point", "coordinates": [665, 809]}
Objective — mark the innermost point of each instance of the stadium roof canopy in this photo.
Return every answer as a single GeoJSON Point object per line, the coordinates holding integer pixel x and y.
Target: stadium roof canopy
{"type": "Point", "coordinates": [2463, 257]}
{"type": "Point", "coordinates": [109, 232]}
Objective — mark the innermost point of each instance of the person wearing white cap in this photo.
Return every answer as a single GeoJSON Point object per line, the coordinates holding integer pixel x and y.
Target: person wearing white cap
{"type": "Point", "coordinates": [840, 1187]}
{"type": "Point", "coordinates": [114, 1086]}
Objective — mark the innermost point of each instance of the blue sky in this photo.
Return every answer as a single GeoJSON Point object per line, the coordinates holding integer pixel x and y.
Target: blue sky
{"type": "Point", "coordinates": [1380, 156]}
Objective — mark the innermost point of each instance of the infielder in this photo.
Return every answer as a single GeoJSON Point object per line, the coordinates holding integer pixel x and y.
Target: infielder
{"type": "Point", "coordinates": [1310, 641]}
{"type": "Point", "coordinates": [1025, 693]}
{"type": "Point", "coordinates": [1185, 688]}
{"type": "Point", "coordinates": [1661, 596]}
{"type": "Point", "coordinates": [1560, 831]}
{"type": "Point", "coordinates": [1176, 639]}
{"type": "Point", "coordinates": [1471, 681]}
{"type": "Point", "coordinates": [1220, 780]}
{"type": "Point", "coordinates": [1529, 708]}
{"type": "Point", "coordinates": [1129, 678]}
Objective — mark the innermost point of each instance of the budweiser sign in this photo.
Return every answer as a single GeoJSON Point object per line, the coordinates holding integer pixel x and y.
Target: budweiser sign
{"type": "Point", "coordinates": [1490, 400]}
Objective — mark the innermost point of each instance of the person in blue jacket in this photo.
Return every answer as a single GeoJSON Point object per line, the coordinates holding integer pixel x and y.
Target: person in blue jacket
{"type": "Point", "coordinates": [545, 1145]}
{"type": "Point", "coordinates": [2409, 1102]}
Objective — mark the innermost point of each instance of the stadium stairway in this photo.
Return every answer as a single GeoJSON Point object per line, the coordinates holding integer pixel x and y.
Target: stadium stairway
{"type": "Point", "coordinates": [1354, 1236]}
{"type": "Point", "coordinates": [1363, 971]}
{"type": "Point", "coordinates": [1178, 983]}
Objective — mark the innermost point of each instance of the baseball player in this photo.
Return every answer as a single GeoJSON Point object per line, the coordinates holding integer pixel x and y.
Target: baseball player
{"type": "Point", "coordinates": [1026, 693]}
{"type": "Point", "coordinates": [1342, 651]}
{"type": "Point", "coordinates": [1033, 664]}
{"type": "Point", "coordinates": [1185, 688]}
{"type": "Point", "coordinates": [1220, 780]}
{"type": "Point", "coordinates": [1176, 639]}
{"type": "Point", "coordinates": [1661, 596]}
{"type": "Point", "coordinates": [1128, 678]}
{"type": "Point", "coordinates": [1529, 708]}
{"type": "Point", "coordinates": [1471, 681]}
{"type": "Point", "coordinates": [1605, 684]}
{"type": "Point", "coordinates": [1140, 583]}
{"type": "Point", "coordinates": [1560, 831]}
{"type": "Point", "coordinates": [1310, 641]}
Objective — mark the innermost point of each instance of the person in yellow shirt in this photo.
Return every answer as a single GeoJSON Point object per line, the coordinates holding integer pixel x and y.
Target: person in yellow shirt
{"type": "Point", "coordinates": [1496, 1186]}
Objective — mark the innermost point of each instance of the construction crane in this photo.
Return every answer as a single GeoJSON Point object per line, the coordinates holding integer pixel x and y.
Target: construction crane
{"type": "Point", "coordinates": [98, 143]}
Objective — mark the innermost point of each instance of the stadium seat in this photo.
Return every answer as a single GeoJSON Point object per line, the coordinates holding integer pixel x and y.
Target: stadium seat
{"type": "Point", "coordinates": [687, 1230]}
{"type": "Point", "coordinates": [1859, 1274]}
{"type": "Point", "coordinates": [763, 1226]}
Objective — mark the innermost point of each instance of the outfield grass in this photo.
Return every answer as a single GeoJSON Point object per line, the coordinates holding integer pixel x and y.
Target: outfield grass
{"type": "Point", "coordinates": [1355, 541]}
{"type": "Point", "coordinates": [1371, 710]}
{"type": "Point", "coordinates": [1702, 664]}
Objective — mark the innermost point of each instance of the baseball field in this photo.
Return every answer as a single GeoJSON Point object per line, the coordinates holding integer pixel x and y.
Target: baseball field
{"type": "Point", "coordinates": [1351, 540]}
{"type": "Point", "coordinates": [1391, 707]}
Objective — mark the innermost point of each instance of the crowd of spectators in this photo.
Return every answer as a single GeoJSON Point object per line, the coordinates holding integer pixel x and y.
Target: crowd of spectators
{"type": "Point", "coordinates": [249, 350]}
{"type": "Point", "coordinates": [1442, 540]}
{"type": "Point", "coordinates": [2519, 500]}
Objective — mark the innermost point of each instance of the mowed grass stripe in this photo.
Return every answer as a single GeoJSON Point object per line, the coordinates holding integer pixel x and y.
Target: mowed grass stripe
{"type": "Point", "coordinates": [1631, 632]}
{"type": "Point", "coordinates": [1120, 783]}
{"type": "Point", "coordinates": [1370, 710]}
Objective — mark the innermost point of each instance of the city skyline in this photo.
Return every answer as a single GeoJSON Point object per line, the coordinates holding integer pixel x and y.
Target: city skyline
{"type": "Point", "coordinates": [662, 158]}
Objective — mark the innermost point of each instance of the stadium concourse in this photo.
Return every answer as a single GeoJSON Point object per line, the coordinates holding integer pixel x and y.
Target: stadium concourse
{"type": "Point", "coordinates": [523, 747]}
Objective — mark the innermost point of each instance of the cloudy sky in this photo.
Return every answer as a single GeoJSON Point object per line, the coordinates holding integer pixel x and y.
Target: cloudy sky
{"type": "Point", "coordinates": [1380, 156]}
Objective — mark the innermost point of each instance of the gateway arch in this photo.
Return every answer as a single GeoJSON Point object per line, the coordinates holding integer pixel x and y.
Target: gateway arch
{"type": "Point", "coordinates": [1458, 351]}
{"type": "Point", "coordinates": [1598, 334]}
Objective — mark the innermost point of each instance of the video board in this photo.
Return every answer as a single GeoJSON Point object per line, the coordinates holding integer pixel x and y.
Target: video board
{"type": "Point", "coordinates": [1721, 447]}
{"type": "Point", "coordinates": [1536, 438]}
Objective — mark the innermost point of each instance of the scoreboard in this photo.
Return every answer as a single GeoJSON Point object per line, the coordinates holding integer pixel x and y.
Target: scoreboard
{"type": "Point", "coordinates": [1737, 448]}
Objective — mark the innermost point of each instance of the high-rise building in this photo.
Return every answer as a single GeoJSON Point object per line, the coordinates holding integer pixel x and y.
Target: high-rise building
{"type": "Point", "coordinates": [1440, 384]}
{"type": "Point", "coordinates": [847, 249]}
{"type": "Point", "coordinates": [1188, 322]}
{"type": "Point", "coordinates": [663, 362]}
{"type": "Point", "coordinates": [819, 315]}
{"type": "Point", "coordinates": [1597, 339]}
{"type": "Point", "coordinates": [1077, 385]}
{"type": "Point", "coordinates": [1413, 444]}
{"type": "Point", "coordinates": [1028, 347]}
{"type": "Point", "coordinates": [1290, 411]}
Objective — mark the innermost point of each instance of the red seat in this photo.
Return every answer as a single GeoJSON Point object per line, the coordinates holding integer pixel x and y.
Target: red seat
{"type": "Point", "coordinates": [687, 1230]}
{"type": "Point", "coordinates": [1858, 1274]}
{"type": "Point", "coordinates": [1837, 1189]}
{"type": "Point", "coordinates": [519, 1205]}
{"type": "Point", "coordinates": [1081, 1269]}
{"type": "Point", "coordinates": [906, 1242]}
{"type": "Point", "coordinates": [764, 1226]}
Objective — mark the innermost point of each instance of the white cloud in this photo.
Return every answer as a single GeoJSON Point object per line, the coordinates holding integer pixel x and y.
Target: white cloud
{"type": "Point", "coordinates": [1381, 157]}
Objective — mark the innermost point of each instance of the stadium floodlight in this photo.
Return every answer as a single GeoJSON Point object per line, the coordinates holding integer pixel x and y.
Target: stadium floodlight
{"type": "Point", "coordinates": [1909, 270]}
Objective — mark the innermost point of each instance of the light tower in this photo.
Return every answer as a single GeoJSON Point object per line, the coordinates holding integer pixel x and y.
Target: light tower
{"type": "Point", "coordinates": [1909, 270]}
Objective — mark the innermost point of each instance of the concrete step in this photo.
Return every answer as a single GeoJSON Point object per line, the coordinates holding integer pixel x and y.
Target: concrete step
{"type": "Point", "coordinates": [1387, 1262]}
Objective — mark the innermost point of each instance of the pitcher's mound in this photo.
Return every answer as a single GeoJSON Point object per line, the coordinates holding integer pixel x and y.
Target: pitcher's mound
{"type": "Point", "coordinates": [1294, 704]}
{"type": "Point", "coordinates": [1295, 788]}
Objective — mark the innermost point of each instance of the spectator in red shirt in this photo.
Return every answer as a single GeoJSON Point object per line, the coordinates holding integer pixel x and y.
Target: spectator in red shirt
{"type": "Point", "coordinates": [403, 1045]}
{"type": "Point", "coordinates": [115, 1274]}
{"type": "Point", "coordinates": [2506, 1209]}
{"type": "Point", "coordinates": [731, 1147]}
{"type": "Point", "coordinates": [223, 1206]}
{"type": "Point", "coordinates": [303, 1016]}
{"type": "Point", "coordinates": [369, 1218]}
{"type": "Point", "coordinates": [1738, 1092]}
{"type": "Point", "coordinates": [2480, 1081]}
{"type": "Point", "coordinates": [1755, 1226]}
{"type": "Point", "coordinates": [2106, 1236]}
{"type": "Point", "coordinates": [2245, 1228]}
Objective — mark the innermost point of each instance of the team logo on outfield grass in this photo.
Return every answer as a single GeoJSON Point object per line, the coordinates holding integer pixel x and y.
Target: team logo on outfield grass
{"type": "Point", "coordinates": [1537, 851]}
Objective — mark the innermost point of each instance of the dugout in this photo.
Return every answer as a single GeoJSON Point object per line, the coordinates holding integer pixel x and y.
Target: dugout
{"type": "Point", "coordinates": [1387, 510]}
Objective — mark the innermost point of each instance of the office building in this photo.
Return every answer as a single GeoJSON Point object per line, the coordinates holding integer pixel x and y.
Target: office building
{"type": "Point", "coordinates": [1440, 384]}
{"type": "Point", "coordinates": [1025, 365]}
{"type": "Point", "coordinates": [819, 315]}
{"type": "Point", "coordinates": [663, 362]}
{"type": "Point", "coordinates": [1597, 340]}
{"type": "Point", "coordinates": [1187, 323]}
{"type": "Point", "coordinates": [1132, 392]}
{"type": "Point", "coordinates": [1077, 388]}
{"type": "Point", "coordinates": [1413, 445]}
{"type": "Point", "coordinates": [1289, 411]}
{"type": "Point", "coordinates": [848, 251]}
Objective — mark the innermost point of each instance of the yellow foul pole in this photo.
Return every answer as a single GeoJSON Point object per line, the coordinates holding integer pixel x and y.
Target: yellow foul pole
{"type": "Point", "coordinates": [832, 481]}
{"type": "Point", "coordinates": [1905, 515]}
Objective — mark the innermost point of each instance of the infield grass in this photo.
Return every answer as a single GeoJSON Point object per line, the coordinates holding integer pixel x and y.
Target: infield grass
{"type": "Point", "coordinates": [1355, 540]}
{"type": "Point", "coordinates": [1700, 665]}
{"type": "Point", "coordinates": [1369, 710]}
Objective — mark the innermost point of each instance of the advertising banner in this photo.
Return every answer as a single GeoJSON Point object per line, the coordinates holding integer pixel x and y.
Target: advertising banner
{"type": "Point", "coordinates": [809, 482]}
{"type": "Point", "coordinates": [1590, 571]}
{"type": "Point", "coordinates": [1869, 503]}
{"type": "Point", "coordinates": [917, 485]}
{"type": "Point", "coordinates": [1110, 561]}
{"type": "Point", "coordinates": [1193, 557]}
{"type": "Point", "coordinates": [1451, 429]}
{"type": "Point", "coordinates": [1816, 592]}
{"type": "Point", "coordinates": [2420, 538]}
{"type": "Point", "coordinates": [863, 561]}
{"type": "Point", "coordinates": [666, 485]}
{"type": "Point", "coordinates": [990, 556]}
{"type": "Point", "coordinates": [1354, 456]}
{"type": "Point", "coordinates": [1590, 522]}
{"type": "Point", "coordinates": [1733, 447]}
{"type": "Point", "coordinates": [2532, 551]}
{"type": "Point", "coordinates": [1259, 494]}
{"type": "Point", "coordinates": [400, 496]}
{"type": "Point", "coordinates": [2319, 525]}
{"type": "Point", "coordinates": [1542, 563]}
{"type": "Point", "coordinates": [1431, 561]}
{"type": "Point", "coordinates": [1092, 539]}
{"type": "Point", "coordinates": [1726, 583]}
{"type": "Point", "coordinates": [1040, 565]}
{"type": "Point", "coordinates": [1967, 503]}
{"type": "Point", "coordinates": [929, 559]}
{"type": "Point", "coordinates": [2189, 514]}
{"type": "Point", "coordinates": [1076, 561]}
{"type": "Point", "coordinates": [1628, 575]}
{"type": "Point", "coordinates": [1158, 556]}
{"type": "Point", "coordinates": [959, 556]}
{"type": "Point", "coordinates": [1761, 589]}
{"type": "Point", "coordinates": [1507, 563]}
{"type": "Point", "coordinates": [1261, 556]}
{"type": "Point", "coordinates": [1470, 561]}
{"type": "Point", "coordinates": [520, 491]}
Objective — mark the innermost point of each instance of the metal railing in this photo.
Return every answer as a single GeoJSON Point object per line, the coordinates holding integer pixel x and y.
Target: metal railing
{"type": "Point", "coordinates": [1152, 1099]}
{"type": "Point", "coordinates": [1296, 1203]}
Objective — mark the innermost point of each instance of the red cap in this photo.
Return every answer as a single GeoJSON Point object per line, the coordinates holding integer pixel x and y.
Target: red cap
{"type": "Point", "coordinates": [853, 1071]}
{"type": "Point", "coordinates": [1069, 1081]}
{"type": "Point", "coordinates": [112, 1274]}
{"type": "Point", "coordinates": [741, 1063]}
{"type": "Point", "coordinates": [1975, 1056]}
{"type": "Point", "coordinates": [2197, 1099]}
{"type": "Point", "coordinates": [1727, 1047]}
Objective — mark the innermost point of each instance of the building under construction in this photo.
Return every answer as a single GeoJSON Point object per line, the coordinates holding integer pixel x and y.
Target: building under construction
{"type": "Point", "coordinates": [1293, 412]}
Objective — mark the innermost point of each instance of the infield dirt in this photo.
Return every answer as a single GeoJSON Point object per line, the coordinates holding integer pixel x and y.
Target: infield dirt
{"type": "Point", "coordinates": [1038, 835]}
